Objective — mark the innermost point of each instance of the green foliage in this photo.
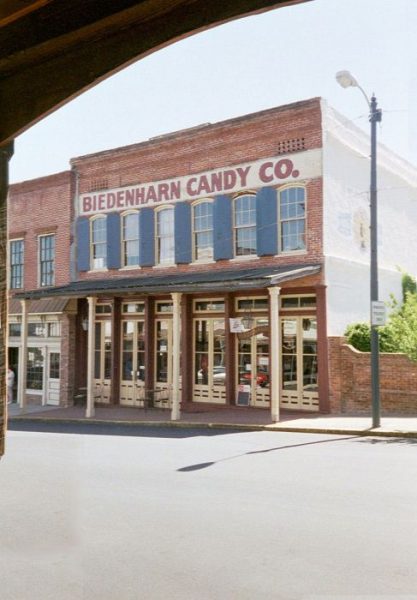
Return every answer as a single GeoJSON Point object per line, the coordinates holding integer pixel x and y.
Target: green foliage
{"type": "Point", "coordinates": [400, 333]}
{"type": "Point", "coordinates": [409, 285]}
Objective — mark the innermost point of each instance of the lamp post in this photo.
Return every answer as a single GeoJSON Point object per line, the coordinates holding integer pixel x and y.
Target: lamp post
{"type": "Point", "coordinates": [345, 79]}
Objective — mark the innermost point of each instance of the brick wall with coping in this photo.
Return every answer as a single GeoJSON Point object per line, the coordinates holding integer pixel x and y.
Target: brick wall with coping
{"type": "Point", "coordinates": [350, 381]}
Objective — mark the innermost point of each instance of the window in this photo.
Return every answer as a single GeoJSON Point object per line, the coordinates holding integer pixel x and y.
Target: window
{"type": "Point", "coordinates": [54, 329]}
{"type": "Point", "coordinates": [164, 307]}
{"type": "Point", "coordinates": [298, 302]}
{"type": "Point", "coordinates": [46, 260]}
{"type": "Point", "coordinates": [130, 239]}
{"type": "Point", "coordinates": [203, 231]}
{"type": "Point", "coordinates": [245, 225]}
{"type": "Point", "coordinates": [292, 219]}
{"type": "Point", "coordinates": [133, 307]}
{"type": "Point", "coordinates": [99, 243]}
{"type": "Point", "coordinates": [35, 369]}
{"type": "Point", "coordinates": [15, 329]}
{"type": "Point", "coordinates": [54, 365]}
{"type": "Point", "coordinates": [16, 263]}
{"type": "Point", "coordinates": [165, 236]}
{"type": "Point", "coordinates": [252, 304]}
{"type": "Point", "coordinates": [103, 309]}
{"type": "Point", "coordinates": [209, 306]}
{"type": "Point", "coordinates": [37, 329]}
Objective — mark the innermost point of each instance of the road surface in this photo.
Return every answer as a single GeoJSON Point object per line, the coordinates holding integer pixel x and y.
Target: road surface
{"type": "Point", "coordinates": [190, 516]}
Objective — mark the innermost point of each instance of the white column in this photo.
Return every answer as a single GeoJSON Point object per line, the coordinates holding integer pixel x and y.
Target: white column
{"type": "Point", "coordinates": [274, 354]}
{"type": "Point", "coordinates": [90, 356]}
{"type": "Point", "coordinates": [23, 358]}
{"type": "Point", "coordinates": [176, 335]}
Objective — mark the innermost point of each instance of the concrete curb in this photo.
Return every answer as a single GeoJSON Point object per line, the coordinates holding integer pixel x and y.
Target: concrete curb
{"type": "Point", "coordinates": [234, 426]}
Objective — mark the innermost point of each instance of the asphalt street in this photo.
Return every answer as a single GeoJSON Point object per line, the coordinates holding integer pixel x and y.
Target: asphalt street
{"type": "Point", "coordinates": [198, 516]}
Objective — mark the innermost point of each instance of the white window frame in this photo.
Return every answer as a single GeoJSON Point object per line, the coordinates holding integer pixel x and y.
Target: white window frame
{"type": "Point", "coordinates": [124, 240]}
{"type": "Point", "coordinates": [281, 190]}
{"type": "Point", "coordinates": [170, 260]}
{"type": "Point", "coordinates": [93, 244]}
{"type": "Point", "coordinates": [40, 238]}
{"type": "Point", "coordinates": [196, 232]}
{"type": "Point", "coordinates": [237, 228]}
{"type": "Point", "coordinates": [22, 264]}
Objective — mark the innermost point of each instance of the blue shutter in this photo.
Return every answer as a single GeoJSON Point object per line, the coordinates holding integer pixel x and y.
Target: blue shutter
{"type": "Point", "coordinates": [83, 244]}
{"type": "Point", "coordinates": [266, 222]}
{"type": "Point", "coordinates": [182, 229]}
{"type": "Point", "coordinates": [222, 228]}
{"type": "Point", "coordinates": [147, 237]}
{"type": "Point", "coordinates": [113, 241]}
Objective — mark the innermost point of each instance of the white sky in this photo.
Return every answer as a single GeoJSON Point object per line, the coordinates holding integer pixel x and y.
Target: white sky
{"type": "Point", "coordinates": [282, 56]}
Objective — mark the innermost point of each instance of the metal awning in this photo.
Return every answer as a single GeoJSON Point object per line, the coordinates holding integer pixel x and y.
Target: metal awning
{"type": "Point", "coordinates": [42, 306]}
{"type": "Point", "coordinates": [194, 281]}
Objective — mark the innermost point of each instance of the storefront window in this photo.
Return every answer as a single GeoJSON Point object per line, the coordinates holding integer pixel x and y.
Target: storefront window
{"type": "Point", "coordinates": [15, 329]}
{"type": "Point", "coordinates": [54, 329]}
{"type": "Point", "coordinates": [162, 333]}
{"type": "Point", "coordinates": [34, 369]}
{"type": "Point", "coordinates": [36, 329]}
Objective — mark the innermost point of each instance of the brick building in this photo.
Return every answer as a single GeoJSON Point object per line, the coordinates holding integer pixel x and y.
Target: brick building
{"type": "Point", "coordinates": [209, 266]}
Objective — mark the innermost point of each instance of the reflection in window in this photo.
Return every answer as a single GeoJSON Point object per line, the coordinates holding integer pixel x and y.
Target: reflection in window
{"type": "Point", "coordinates": [99, 243]}
{"type": "Point", "coordinates": [162, 351]}
{"type": "Point", "coordinates": [292, 219]}
{"type": "Point", "coordinates": [245, 225]}
{"type": "Point", "coordinates": [165, 236]}
{"type": "Point", "coordinates": [130, 239]}
{"type": "Point", "coordinates": [47, 259]}
{"type": "Point", "coordinates": [54, 365]}
{"type": "Point", "coordinates": [16, 263]}
{"type": "Point", "coordinates": [203, 231]}
{"type": "Point", "coordinates": [34, 369]}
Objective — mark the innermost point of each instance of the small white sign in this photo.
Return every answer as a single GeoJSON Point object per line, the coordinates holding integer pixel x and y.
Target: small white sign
{"type": "Point", "coordinates": [263, 361]}
{"type": "Point", "coordinates": [236, 326]}
{"type": "Point", "coordinates": [378, 313]}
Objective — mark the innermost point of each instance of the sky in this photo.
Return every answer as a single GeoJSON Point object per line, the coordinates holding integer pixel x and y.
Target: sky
{"type": "Point", "coordinates": [258, 62]}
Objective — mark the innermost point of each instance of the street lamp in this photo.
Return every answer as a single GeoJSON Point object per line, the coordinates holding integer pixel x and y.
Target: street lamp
{"type": "Point", "coordinates": [345, 79]}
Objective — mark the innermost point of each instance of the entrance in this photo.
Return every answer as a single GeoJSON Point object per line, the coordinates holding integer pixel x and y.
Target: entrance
{"type": "Point", "coordinates": [102, 361]}
{"type": "Point", "coordinates": [132, 384]}
{"type": "Point", "coordinates": [209, 361]}
{"type": "Point", "coordinates": [13, 361]}
{"type": "Point", "coordinates": [53, 379]}
{"type": "Point", "coordinates": [299, 363]}
{"type": "Point", "coordinates": [253, 361]}
{"type": "Point", "coordinates": [163, 361]}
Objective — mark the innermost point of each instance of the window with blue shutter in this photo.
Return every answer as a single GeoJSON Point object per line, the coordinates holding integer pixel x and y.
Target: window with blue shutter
{"type": "Point", "coordinates": [223, 228]}
{"type": "Point", "coordinates": [147, 237]}
{"type": "Point", "coordinates": [182, 228]}
{"type": "Point", "coordinates": [83, 244]}
{"type": "Point", "coordinates": [266, 221]}
{"type": "Point", "coordinates": [113, 241]}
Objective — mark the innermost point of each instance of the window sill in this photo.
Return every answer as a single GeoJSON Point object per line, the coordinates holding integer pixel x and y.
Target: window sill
{"type": "Point", "coordinates": [164, 266]}
{"type": "Point", "coordinates": [130, 268]}
{"type": "Point", "coordinates": [244, 258]}
{"type": "Point", "coordinates": [292, 253]}
{"type": "Point", "coordinates": [104, 270]}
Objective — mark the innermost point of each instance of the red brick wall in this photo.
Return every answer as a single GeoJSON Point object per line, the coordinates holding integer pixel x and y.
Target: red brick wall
{"type": "Point", "coordinates": [37, 207]}
{"type": "Point", "coordinates": [244, 139]}
{"type": "Point", "coordinates": [350, 381]}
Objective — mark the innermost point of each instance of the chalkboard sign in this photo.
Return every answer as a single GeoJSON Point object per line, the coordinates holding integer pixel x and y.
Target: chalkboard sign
{"type": "Point", "coordinates": [243, 395]}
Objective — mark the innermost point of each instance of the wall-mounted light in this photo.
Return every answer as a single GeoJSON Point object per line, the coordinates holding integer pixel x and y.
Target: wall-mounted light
{"type": "Point", "coordinates": [84, 324]}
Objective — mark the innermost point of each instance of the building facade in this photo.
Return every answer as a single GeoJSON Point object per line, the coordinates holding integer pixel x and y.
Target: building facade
{"type": "Point", "coordinates": [207, 267]}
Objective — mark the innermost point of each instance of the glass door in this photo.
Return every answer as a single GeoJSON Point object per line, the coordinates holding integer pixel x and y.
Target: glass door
{"type": "Point", "coordinates": [163, 355]}
{"type": "Point", "coordinates": [102, 361]}
{"type": "Point", "coordinates": [299, 363]}
{"type": "Point", "coordinates": [253, 361]}
{"type": "Point", "coordinates": [209, 361]}
{"type": "Point", "coordinates": [132, 384]}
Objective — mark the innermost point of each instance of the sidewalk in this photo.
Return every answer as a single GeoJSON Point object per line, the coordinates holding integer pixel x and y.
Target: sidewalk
{"type": "Point", "coordinates": [240, 418]}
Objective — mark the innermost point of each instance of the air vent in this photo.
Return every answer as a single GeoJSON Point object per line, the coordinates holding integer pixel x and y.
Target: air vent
{"type": "Point", "coordinates": [291, 146]}
{"type": "Point", "coordinates": [98, 184]}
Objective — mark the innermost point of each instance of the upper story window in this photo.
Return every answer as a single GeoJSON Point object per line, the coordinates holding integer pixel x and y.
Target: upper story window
{"type": "Point", "coordinates": [99, 243]}
{"type": "Point", "coordinates": [130, 239]}
{"type": "Point", "coordinates": [165, 253]}
{"type": "Point", "coordinates": [245, 225]}
{"type": "Point", "coordinates": [203, 231]}
{"type": "Point", "coordinates": [292, 213]}
{"type": "Point", "coordinates": [17, 248]}
{"type": "Point", "coordinates": [46, 260]}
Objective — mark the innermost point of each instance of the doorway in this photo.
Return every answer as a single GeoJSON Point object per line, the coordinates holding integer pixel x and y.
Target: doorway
{"type": "Point", "coordinates": [132, 384]}
{"type": "Point", "coordinates": [209, 361]}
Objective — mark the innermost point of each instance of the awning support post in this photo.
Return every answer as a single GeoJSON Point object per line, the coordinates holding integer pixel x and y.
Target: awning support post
{"type": "Point", "coordinates": [90, 410]}
{"type": "Point", "coordinates": [274, 352]}
{"type": "Point", "coordinates": [176, 335]}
